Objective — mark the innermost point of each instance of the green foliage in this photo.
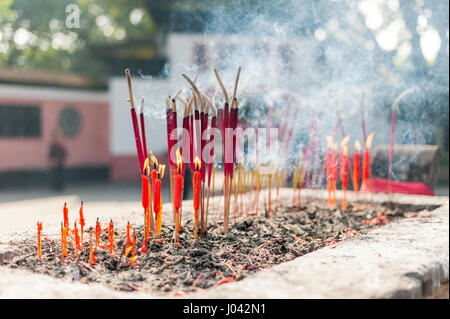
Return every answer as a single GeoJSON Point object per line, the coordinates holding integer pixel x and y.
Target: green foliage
{"type": "Point", "coordinates": [33, 34]}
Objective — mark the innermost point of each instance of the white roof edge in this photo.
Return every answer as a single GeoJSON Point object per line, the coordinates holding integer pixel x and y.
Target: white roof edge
{"type": "Point", "coordinates": [51, 93]}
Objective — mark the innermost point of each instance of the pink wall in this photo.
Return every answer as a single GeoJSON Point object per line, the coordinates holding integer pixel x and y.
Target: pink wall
{"type": "Point", "coordinates": [125, 168]}
{"type": "Point", "coordinates": [90, 147]}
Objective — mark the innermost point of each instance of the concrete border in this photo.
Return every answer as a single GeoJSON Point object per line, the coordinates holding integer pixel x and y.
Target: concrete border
{"type": "Point", "coordinates": [406, 259]}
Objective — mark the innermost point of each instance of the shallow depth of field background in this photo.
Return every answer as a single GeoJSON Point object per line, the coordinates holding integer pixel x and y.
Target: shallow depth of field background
{"type": "Point", "coordinates": [58, 75]}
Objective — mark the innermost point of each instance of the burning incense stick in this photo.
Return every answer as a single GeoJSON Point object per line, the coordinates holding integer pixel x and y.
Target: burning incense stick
{"type": "Point", "coordinates": [135, 123]}
{"type": "Point", "coordinates": [98, 232]}
{"type": "Point", "coordinates": [178, 193]}
{"type": "Point", "coordinates": [63, 243]}
{"type": "Point", "coordinates": [92, 258]}
{"type": "Point", "coordinates": [146, 203]}
{"type": "Point", "coordinates": [76, 243]}
{"type": "Point", "coordinates": [144, 141]}
{"type": "Point", "coordinates": [128, 234]}
{"type": "Point", "coordinates": [66, 216]}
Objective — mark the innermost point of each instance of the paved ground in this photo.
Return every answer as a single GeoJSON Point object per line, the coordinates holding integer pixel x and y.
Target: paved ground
{"type": "Point", "coordinates": [21, 209]}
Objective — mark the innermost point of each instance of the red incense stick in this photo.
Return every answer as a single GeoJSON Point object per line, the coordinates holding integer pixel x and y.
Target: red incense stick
{"type": "Point", "coordinates": [135, 122]}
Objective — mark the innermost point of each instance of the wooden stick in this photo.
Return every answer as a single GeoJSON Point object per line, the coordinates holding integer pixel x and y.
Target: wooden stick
{"type": "Point", "coordinates": [236, 83]}
{"type": "Point", "coordinates": [225, 94]}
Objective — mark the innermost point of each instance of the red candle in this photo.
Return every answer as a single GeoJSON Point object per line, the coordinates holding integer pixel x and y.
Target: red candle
{"type": "Point", "coordinates": [178, 191]}
{"type": "Point", "coordinates": [356, 166]}
{"type": "Point", "coordinates": [156, 189]}
{"type": "Point", "coordinates": [178, 183]}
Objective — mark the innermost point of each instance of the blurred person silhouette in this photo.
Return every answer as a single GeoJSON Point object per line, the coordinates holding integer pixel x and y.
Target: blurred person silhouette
{"type": "Point", "coordinates": [57, 155]}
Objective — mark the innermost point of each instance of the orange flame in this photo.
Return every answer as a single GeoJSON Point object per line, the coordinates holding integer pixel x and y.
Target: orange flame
{"type": "Point", "coordinates": [197, 163]}
{"type": "Point", "coordinates": [345, 150]}
{"type": "Point", "coordinates": [161, 171]}
{"type": "Point", "coordinates": [179, 160]}
{"type": "Point", "coordinates": [369, 140]}
{"type": "Point", "coordinates": [147, 167]}
{"type": "Point", "coordinates": [357, 146]}
{"type": "Point", "coordinates": [345, 141]}
{"type": "Point", "coordinates": [330, 142]}
{"type": "Point", "coordinates": [154, 160]}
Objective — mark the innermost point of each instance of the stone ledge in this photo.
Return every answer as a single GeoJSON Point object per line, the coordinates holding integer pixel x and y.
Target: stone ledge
{"type": "Point", "coordinates": [406, 259]}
